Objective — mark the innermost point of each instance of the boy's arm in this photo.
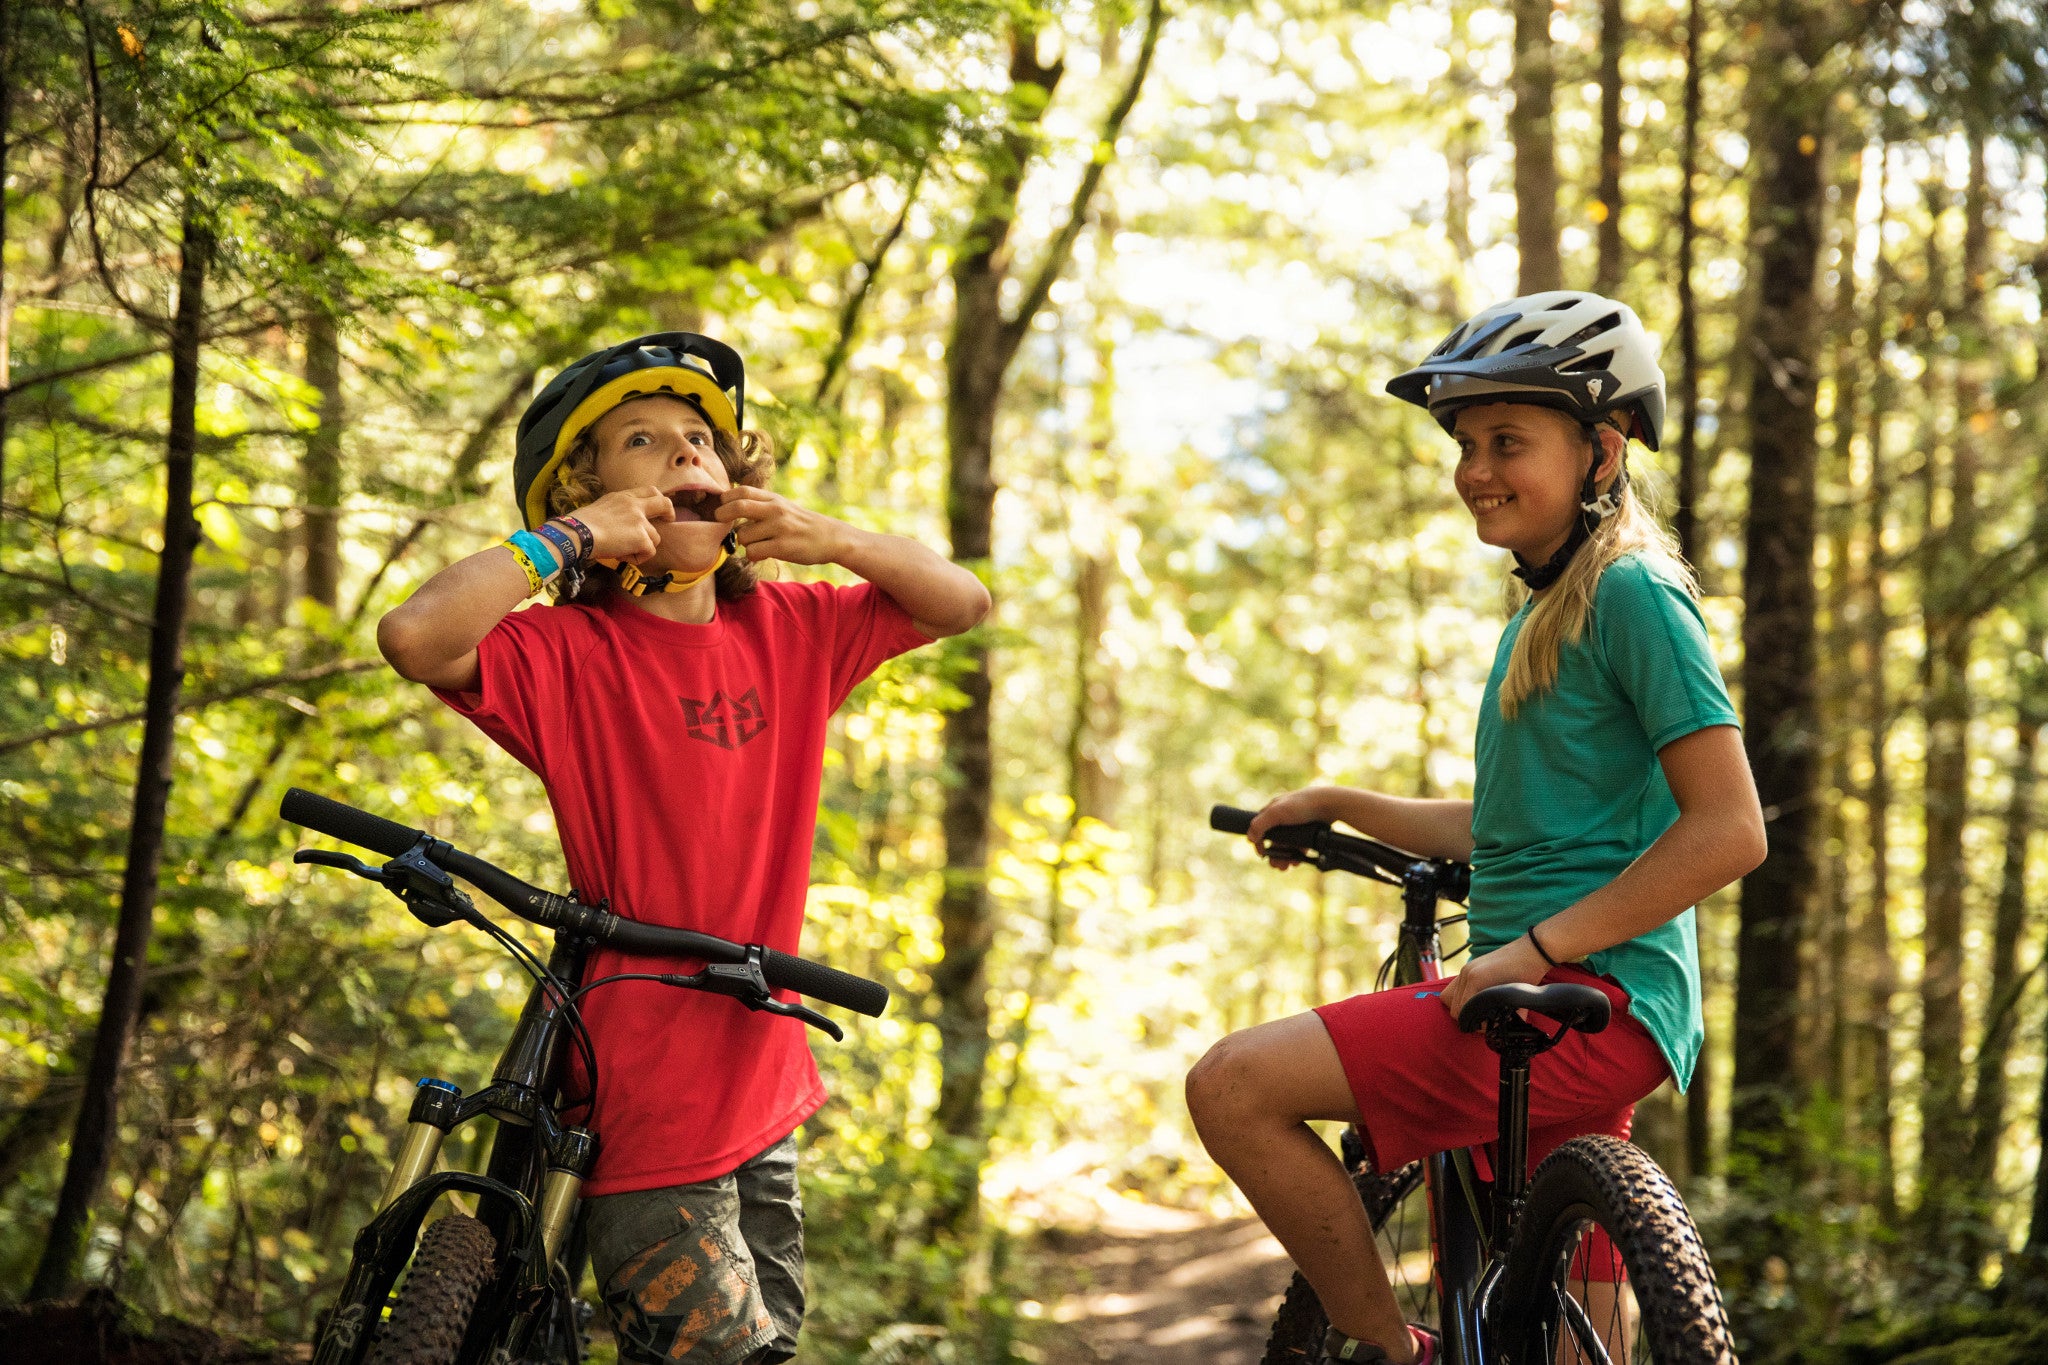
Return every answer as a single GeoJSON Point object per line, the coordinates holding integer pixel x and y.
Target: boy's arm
{"type": "Point", "coordinates": [941, 597]}
{"type": "Point", "coordinates": [432, 636]}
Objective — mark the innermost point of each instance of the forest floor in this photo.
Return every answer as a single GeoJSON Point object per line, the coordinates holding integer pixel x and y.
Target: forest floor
{"type": "Point", "coordinates": [1148, 1285]}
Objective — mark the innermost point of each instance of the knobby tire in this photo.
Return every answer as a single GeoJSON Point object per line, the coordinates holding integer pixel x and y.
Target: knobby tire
{"type": "Point", "coordinates": [1300, 1325]}
{"type": "Point", "coordinates": [451, 1267]}
{"type": "Point", "coordinates": [1602, 1181]}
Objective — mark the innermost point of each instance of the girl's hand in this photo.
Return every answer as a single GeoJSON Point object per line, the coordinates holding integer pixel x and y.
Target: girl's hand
{"type": "Point", "coordinates": [777, 528]}
{"type": "Point", "coordinates": [625, 526]}
{"type": "Point", "coordinates": [1518, 961]}
{"type": "Point", "coordinates": [1295, 808]}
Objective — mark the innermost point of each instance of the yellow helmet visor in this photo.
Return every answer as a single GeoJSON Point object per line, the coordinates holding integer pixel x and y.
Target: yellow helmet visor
{"type": "Point", "coordinates": [675, 380]}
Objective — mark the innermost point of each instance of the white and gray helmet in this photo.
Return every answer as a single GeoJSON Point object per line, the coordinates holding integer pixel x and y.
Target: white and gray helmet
{"type": "Point", "coordinates": [1581, 353]}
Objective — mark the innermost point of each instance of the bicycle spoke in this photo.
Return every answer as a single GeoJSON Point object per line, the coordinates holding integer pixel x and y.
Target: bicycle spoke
{"type": "Point", "coordinates": [1592, 1349]}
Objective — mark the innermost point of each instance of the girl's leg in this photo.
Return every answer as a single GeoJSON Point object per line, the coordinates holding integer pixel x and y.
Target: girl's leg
{"type": "Point", "coordinates": [1251, 1098]}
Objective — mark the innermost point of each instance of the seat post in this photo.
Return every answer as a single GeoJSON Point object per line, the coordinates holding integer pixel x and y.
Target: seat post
{"type": "Point", "coordinates": [1511, 1171]}
{"type": "Point", "coordinates": [1517, 1042]}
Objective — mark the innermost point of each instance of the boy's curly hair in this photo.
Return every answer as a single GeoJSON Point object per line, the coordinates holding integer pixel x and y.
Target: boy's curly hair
{"type": "Point", "coordinates": [748, 463]}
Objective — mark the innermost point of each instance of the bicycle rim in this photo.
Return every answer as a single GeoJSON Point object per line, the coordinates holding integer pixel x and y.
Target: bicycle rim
{"type": "Point", "coordinates": [1608, 1268]}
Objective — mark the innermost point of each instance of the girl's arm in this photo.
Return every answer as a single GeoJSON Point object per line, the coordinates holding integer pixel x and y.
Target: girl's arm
{"type": "Point", "coordinates": [1433, 829]}
{"type": "Point", "coordinates": [941, 597]}
{"type": "Point", "coordinates": [432, 636]}
{"type": "Point", "coordinates": [1717, 838]}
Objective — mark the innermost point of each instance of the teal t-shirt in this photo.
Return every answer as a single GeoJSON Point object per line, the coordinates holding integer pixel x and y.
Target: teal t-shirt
{"type": "Point", "coordinates": [1570, 792]}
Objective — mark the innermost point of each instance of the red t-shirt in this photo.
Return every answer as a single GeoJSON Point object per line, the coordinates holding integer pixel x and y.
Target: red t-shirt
{"type": "Point", "coordinates": [683, 764]}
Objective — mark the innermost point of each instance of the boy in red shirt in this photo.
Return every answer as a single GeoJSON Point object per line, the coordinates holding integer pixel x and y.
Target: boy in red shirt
{"type": "Point", "coordinates": [676, 709]}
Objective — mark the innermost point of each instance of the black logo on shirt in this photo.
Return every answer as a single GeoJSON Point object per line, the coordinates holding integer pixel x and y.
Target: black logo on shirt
{"type": "Point", "coordinates": [726, 722]}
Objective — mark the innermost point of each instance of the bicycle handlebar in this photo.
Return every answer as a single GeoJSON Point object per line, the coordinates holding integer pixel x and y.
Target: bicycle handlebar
{"type": "Point", "coordinates": [1347, 852]}
{"type": "Point", "coordinates": [551, 911]}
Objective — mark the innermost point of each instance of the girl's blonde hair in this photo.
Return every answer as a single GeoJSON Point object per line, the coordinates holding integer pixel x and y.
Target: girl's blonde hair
{"type": "Point", "coordinates": [748, 463]}
{"type": "Point", "coordinates": [1559, 616]}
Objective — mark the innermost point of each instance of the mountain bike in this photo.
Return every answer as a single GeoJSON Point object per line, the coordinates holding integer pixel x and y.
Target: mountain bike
{"type": "Point", "coordinates": [1504, 1269]}
{"type": "Point", "coordinates": [499, 1286]}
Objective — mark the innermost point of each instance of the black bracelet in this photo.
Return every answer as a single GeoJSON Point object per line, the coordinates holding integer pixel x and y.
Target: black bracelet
{"type": "Point", "coordinates": [567, 547]}
{"type": "Point", "coordinates": [1537, 944]}
{"type": "Point", "coordinates": [583, 534]}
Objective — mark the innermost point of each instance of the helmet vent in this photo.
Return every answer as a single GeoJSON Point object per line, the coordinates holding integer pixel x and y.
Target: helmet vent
{"type": "Point", "coordinates": [1585, 364]}
{"type": "Point", "coordinates": [1588, 332]}
{"type": "Point", "coordinates": [1526, 338]}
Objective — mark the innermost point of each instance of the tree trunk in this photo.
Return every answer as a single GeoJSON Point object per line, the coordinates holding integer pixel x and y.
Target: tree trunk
{"type": "Point", "coordinates": [320, 468]}
{"type": "Point", "coordinates": [2001, 1002]}
{"type": "Point", "coordinates": [1877, 974]}
{"type": "Point", "coordinates": [92, 1138]}
{"type": "Point", "coordinates": [1535, 140]}
{"type": "Point", "coordinates": [1607, 272]}
{"type": "Point", "coordinates": [1685, 518]}
{"type": "Point", "coordinates": [8, 12]}
{"type": "Point", "coordinates": [1987, 1105]}
{"type": "Point", "coordinates": [1951, 561]}
{"type": "Point", "coordinates": [980, 349]}
{"type": "Point", "coordinates": [1779, 693]}
{"type": "Point", "coordinates": [1699, 1096]}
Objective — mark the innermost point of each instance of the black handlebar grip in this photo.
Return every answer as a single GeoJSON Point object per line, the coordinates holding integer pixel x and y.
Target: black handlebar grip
{"type": "Point", "coordinates": [829, 984]}
{"type": "Point", "coordinates": [1230, 820]}
{"type": "Point", "coordinates": [346, 823]}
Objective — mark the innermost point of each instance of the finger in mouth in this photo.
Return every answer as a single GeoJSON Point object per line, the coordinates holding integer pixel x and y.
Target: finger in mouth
{"type": "Point", "coordinates": [695, 504]}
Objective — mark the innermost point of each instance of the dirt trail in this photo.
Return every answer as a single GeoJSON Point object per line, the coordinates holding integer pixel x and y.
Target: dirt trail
{"type": "Point", "coordinates": [1167, 1289]}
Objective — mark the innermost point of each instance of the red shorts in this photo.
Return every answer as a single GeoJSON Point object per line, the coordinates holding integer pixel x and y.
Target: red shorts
{"type": "Point", "coordinates": [1422, 1086]}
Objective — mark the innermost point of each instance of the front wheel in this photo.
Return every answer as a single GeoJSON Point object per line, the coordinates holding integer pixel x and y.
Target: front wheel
{"type": "Point", "coordinates": [1401, 1226]}
{"type": "Point", "coordinates": [1557, 1306]}
{"type": "Point", "coordinates": [451, 1267]}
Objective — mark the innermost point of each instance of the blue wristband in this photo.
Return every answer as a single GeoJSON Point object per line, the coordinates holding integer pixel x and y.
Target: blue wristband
{"type": "Point", "coordinates": [546, 561]}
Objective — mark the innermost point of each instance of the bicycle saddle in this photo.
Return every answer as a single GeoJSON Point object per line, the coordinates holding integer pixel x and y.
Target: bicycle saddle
{"type": "Point", "coordinates": [1565, 1002]}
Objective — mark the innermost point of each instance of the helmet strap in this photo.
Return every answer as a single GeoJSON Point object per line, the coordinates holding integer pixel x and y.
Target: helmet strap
{"type": "Point", "coordinates": [631, 580]}
{"type": "Point", "coordinates": [1594, 508]}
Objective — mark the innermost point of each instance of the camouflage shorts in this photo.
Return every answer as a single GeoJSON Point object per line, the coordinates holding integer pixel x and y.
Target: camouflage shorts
{"type": "Point", "coordinates": [711, 1273]}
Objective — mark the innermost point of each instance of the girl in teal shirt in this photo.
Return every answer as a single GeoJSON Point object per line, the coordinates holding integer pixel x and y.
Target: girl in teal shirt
{"type": "Point", "coordinates": [1611, 795]}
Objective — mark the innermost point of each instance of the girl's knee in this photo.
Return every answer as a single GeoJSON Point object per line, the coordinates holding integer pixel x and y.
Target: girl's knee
{"type": "Point", "coordinates": [1225, 1085]}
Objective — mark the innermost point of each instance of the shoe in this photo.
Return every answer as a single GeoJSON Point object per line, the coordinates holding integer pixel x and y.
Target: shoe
{"type": "Point", "coordinates": [1338, 1347]}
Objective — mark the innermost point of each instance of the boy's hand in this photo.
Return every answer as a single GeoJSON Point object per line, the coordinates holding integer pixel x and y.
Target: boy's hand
{"type": "Point", "coordinates": [624, 526]}
{"type": "Point", "coordinates": [777, 528]}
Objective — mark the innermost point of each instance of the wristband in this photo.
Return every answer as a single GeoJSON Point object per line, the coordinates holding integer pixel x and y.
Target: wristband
{"type": "Point", "coordinates": [546, 562]}
{"type": "Point", "coordinates": [534, 582]}
{"type": "Point", "coordinates": [1537, 944]}
{"type": "Point", "coordinates": [564, 544]}
{"type": "Point", "coordinates": [583, 533]}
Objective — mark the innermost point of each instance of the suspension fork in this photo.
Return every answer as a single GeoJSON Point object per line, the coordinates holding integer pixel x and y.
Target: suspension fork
{"type": "Point", "coordinates": [529, 1074]}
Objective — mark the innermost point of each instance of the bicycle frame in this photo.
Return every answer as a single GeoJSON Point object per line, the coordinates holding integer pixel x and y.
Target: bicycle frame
{"type": "Point", "coordinates": [1460, 1203]}
{"type": "Point", "coordinates": [1472, 1221]}
{"type": "Point", "coordinates": [527, 1196]}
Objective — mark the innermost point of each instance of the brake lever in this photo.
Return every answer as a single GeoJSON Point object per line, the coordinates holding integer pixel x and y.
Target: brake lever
{"type": "Point", "coordinates": [322, 858]}
{"type": "Point", "coordinates": [428, 892]}
{"type": "Point", "coordinates": [747, 983]}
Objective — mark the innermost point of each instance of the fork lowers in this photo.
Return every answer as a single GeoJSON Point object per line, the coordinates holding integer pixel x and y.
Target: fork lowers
{"type": "Point", "coordinates": [434, 1107]}
{"type": "Point", "coordinates": [570, 1157]}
